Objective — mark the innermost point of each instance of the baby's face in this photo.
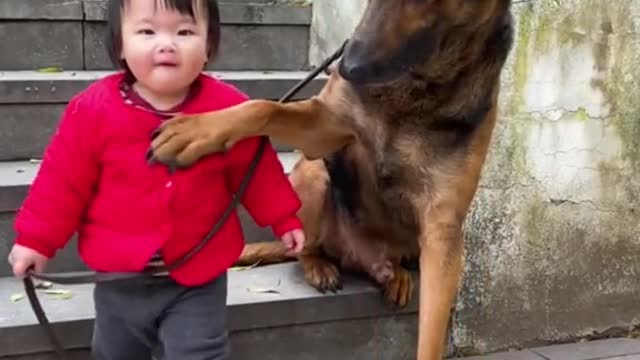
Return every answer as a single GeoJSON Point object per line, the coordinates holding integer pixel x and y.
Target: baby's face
{"type": "Point", "coordinates": [164, 49]}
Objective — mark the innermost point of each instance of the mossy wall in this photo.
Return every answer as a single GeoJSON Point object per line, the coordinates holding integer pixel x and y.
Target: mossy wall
{"type": "Point", "coordinates": [553, 237]}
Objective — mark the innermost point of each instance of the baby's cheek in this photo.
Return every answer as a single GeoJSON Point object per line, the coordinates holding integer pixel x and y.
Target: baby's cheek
{"type": "Point", "coordinates": [197, 49]}
{"type": "Point", "coordinates": [139, 62]}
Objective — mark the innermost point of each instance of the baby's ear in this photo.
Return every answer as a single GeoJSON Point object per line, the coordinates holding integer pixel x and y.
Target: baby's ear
{"type": "Point", "coordinates": [208, 55]}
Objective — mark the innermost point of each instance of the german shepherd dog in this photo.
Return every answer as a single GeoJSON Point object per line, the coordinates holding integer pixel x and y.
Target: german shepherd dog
{"type": "Point", "coordinates": [393, 147]}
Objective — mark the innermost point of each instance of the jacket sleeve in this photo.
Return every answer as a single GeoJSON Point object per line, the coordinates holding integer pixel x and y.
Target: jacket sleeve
{"type": "Point", "coordinates": [269, 198]}
{"type": "Point", "coordinates": [64, 184]}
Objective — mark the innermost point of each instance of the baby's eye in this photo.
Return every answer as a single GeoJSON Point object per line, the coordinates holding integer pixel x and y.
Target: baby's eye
{"type": "Point", "coordinates": [185, 32]}
{"type": "Point", "coordinates": [145, 32]}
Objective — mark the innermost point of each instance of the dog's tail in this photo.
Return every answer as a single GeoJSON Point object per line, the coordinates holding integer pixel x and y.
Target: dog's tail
{"type": "Point", "coordinates": [264, 253]}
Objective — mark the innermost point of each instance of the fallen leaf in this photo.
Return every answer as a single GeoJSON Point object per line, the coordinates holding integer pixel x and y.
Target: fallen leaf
{"type": "Point", "coordinates": [56, 291]}
{"type": "Point", "coordinates": [50, 69]}
{"type": "Point", "coordinates": [243, 268]}
{"type": "Point", "coordinates": [16, 297]}
{"type": "Point", "coordinates": [59, 293]}
{"type": "Point", "coordinates": [263, 290]}
{"type": "Point", "coordinates": [44, 285]}
{"type": "Point", "coordinates": [65, 296]}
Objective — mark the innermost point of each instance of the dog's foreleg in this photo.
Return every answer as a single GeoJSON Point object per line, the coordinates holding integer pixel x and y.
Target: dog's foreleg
{"type": "Point", "coordinates": [440, 271]}
{"type": "Point", "coordinates": [309, 126]}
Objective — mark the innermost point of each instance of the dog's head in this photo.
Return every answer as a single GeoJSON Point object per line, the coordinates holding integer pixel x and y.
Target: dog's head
{"type": "Point", "coordinates": [394, 35]}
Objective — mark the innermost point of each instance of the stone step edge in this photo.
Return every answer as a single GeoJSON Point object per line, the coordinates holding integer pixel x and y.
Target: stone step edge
{"type": "Point", "coordinates": [32, 86]}
{"type": "Point", "coordinates": [17, 176]}
{"type": "Point", "coordinates": [250, 308]}
{"type": "Point", "coordinates": [36, 75]}
{"type": "Point", "coordinates": [95, 10]}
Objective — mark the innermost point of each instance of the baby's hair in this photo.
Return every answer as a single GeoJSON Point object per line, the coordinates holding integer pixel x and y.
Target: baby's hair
{"type": "Point", "coordinates": [185, 7]}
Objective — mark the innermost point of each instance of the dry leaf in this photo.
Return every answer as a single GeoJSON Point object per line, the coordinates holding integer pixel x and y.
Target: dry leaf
{"type": "Point", "coordinates": [56, 291]}
{"type": "Point", "coordinates": [263, 290]}
{"type": "Point", "coordinates": [50, 69]}
{"type": "Point", "coordinates": [65, 296]}
{"type": "Point", "coordinates": [243, 268]}
{"type": "Point", "coordinates": [44, 285]}
{"type": "Point", "coordinates": [16, 297]}
{"type": "Point", "coordinates": [59, 294]}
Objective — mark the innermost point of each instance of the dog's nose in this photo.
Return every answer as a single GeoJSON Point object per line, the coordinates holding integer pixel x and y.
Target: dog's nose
{"type": "Point", "coordinates": [353, 71]}
{"type": "Point", "coordinates": [354, 66]}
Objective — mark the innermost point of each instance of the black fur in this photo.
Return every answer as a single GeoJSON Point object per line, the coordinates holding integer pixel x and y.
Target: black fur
{"type": "Point", "coordinates": [464, 124]}
{"type": "Point", "coordinates": [344, 184]}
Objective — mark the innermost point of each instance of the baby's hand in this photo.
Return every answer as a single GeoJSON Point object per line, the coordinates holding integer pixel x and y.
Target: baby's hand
{"type": "Point", "coordinates": [294, 240]}
{"type": "Point", "coordinates": [22, 258]}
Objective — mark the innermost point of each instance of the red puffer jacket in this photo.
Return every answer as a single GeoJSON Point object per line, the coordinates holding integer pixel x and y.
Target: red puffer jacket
{"type": "Point", "coordinates": [94, 179]}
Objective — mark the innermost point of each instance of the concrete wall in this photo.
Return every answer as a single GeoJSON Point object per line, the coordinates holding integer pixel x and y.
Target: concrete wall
{"type": "Point", "coordinates": [553, 238]}
{"type": "Point", "coordinates": [331, 23]}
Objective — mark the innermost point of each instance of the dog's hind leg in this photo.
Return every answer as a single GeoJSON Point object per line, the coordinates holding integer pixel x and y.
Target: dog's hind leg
{"type": "Point", "coordinates": [398, 290]}
{"type": "Point", "coordinates": [264, 253]}
{"type": "Point", "coordinates": [393, 278]}
{"type": "Point", "coordinates": [310, 181]}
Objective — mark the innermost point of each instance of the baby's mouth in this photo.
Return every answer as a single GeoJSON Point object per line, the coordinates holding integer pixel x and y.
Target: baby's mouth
{"type": "Point", "coordinates": [166, 64]}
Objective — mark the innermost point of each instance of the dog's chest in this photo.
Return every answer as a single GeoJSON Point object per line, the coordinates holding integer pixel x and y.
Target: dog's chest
{"type": "Point", "coordinates": [401, 181]}
{"type": "Point", "coordinates": [389, 165]}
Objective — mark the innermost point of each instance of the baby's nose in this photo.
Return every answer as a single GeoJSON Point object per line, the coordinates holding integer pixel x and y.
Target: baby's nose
{"type": "Point", "coordinates": [166, 47]}
{"type": "Point", "coordinates": [166, 44]}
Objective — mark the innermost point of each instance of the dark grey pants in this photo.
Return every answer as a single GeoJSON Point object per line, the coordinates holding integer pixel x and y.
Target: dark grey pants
{"type": "Point", "coordinates": [135, 318]}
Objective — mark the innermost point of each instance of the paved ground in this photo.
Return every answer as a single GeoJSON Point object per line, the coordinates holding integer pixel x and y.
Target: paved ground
{"type": "Point", "coordinates": [612, 349]}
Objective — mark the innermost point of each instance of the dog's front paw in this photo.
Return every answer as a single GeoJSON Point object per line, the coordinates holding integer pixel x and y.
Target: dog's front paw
{"type": "Point", "coordinates": [323, 275]}
{"type": "Point", "coordinates": [183, 140]}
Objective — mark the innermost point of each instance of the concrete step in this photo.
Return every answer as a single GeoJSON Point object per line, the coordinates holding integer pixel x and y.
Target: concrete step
{"type": "Point", "coordinates": [288, 2]}
{"type": "Point", "coordinates": [296, 322]}
{"type": "Point", "coordinates": [246, 1]}
{"type": "Point", "coordinates": [15, 178]}
{"type": "Point", "coordinates": [70, 33]}
{"type": "Point", "coordinates": [31, 102]}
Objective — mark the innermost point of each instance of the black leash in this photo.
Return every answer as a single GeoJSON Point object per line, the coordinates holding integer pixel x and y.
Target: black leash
{"type": "Point", "coordinates": [85, 277]}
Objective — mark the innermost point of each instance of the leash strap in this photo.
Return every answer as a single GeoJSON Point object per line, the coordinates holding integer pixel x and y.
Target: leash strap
{"type": "Point", "coordinates": [42, 318]}
{"type": "Point", "coordinates": [86, 277]}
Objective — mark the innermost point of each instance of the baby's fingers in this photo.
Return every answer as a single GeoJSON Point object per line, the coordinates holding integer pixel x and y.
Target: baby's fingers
{"type": "Point", "coordinates": [39, 265]}
{"type": "Point", "coordinates": [288, 241]}
{"type": "Point", "coordinates": [20, 268]}
{"type": "Point", "coordinates": [299, 241]}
